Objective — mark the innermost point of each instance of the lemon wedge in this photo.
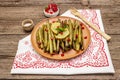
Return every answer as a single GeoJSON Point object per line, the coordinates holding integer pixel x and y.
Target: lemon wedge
{"type": "Point", "coordinates": [54, 27]}
{"type": "Point", "coordinates": [63, 34]}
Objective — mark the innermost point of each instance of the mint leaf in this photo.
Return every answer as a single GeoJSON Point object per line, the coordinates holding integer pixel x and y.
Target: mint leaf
{"type": "Point", "coordinates": [60, 29]}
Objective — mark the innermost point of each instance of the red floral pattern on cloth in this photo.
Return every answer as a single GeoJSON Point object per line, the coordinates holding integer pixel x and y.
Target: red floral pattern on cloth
{"type": "Point", "coordinates": [26, 42]}
{"type": "Point", "coordinates": [94, 56]}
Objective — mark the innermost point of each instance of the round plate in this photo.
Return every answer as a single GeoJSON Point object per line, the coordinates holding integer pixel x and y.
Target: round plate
{"type": "Point", "coordinates": [67, 55]}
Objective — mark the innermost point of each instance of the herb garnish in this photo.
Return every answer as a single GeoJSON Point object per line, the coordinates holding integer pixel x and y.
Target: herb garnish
{"type": "Point", "coordinates": [61, 29]}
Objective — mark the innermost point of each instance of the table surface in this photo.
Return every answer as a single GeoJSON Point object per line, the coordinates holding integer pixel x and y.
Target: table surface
{"type": "Point", "coordinates": [12, 12]}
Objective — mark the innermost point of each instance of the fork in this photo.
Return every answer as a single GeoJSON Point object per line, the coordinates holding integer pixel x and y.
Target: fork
{"type": "Point", "coordinates": [77, 14]}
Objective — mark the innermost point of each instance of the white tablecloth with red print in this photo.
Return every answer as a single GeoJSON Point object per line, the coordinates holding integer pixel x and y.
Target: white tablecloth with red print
{"type": "Point", "coordinates": [96, 59]}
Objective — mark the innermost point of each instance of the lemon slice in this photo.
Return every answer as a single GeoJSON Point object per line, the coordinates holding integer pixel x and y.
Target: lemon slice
{"type": "Point", "coordinates": [54, 27]}
{"type": "Point", "coordinates": [63, 34]}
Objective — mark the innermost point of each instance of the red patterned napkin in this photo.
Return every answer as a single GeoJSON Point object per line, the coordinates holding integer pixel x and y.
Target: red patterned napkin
{"type": "Point", "coordinates": [95, 60]}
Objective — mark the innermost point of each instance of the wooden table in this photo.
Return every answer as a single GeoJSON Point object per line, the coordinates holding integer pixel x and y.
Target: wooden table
{"type": "Point", "coordinates": [12, 12]}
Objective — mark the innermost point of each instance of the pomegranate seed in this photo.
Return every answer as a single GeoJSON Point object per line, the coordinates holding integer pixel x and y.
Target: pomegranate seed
{"type": "Point", "coordinates": [68, 39]}
{"type": "Point", "coordinates": [52, 54]}
{"type": "Point", "coordinates": [53, 21]}
{"type": "Point", "coordinates": [47, 9]}
{"type": "Point", "coordinates": [62, 54]}
{"type": "Point", "coordinates": [81, 24]}
{"type": "Point", "coordinates": [52, 38]}
{"type": "Point", "coordinates": [39, 43]}
{"type": "Point", "coordinates": [85, 37]}
{"type": "Point", "coordinates": [82, 27]}
{"type": "Point", "coordinates": [76, 35]}
{"type": "Point", "coordinates": [46, 30]}
{"type": "Point", "coordinates": [51, 12]}
{"type": "Point", "coordinates": [73, 28]}
{"type": "Point", "coordinates": [61, 33]}
{"type": "Point", "coordinates": [54, 9]}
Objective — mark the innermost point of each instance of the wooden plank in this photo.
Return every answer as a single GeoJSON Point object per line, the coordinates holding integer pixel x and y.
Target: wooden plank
{"type": "Point", "coordinates": [110, 19]}
{"type": "Point", "coordinates": [36, 12]}
{"type": "Point", "coordinates": [8, 43]}
{"type": "Point", "coordinates": [16, 3]}
{"type": "Point", "coordinates": [100, 2]}
{"type": "Point", "coordinates": [20, 13]}
{"type": "Point", "coordinates": [116, 2]}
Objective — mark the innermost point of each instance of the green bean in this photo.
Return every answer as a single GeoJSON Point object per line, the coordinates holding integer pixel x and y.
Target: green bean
{"type": "Point", "coordinates": [67, 48]}
{"type": "Point", "coordinates": [37, 36]}
{"type": "Point", "coordinates": [70, 30]}
{"type": "Point", "coordinates": [62, 45]}
{"type": "Point", "coordinates": [41, 31]}
{"type": "Point", "coordinates": [71, 33]}
{"type": "Point", "coordinates": [76, 26]}
{"type": "Point", "coordinates": [77, 42]}
{"type": "Point", "coordinates": [77, 46]}
{"type": "Point", "coordinates": [79, 34]}
{"type": "Point", "coordinates": [59, 20]}
{"type": "Point", "coordinates": [49, 33]}
{"type": "Point", "coordinates": [73, 44]}
{"type": "Point", "coordinates": [74, 31]}
{"type": "Point", "coordinates": [45, 35]}
{"type": "Point", "coordinates": [54, 41]}
{"type": "Point", "coordinates": [65, 22]}
{"type": "Point", "coordinates": [40, 38]}
{"type": "Point", "coordinates": [48, 47]}
{"type": "Point", "coordinates": [82, 43]}
{"type": "Point", "coordinates": [66, 42]}
{"type": "Point", "coordinates": [58, 42]}
{"type": "Point", "coordinates": [66, 39]}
